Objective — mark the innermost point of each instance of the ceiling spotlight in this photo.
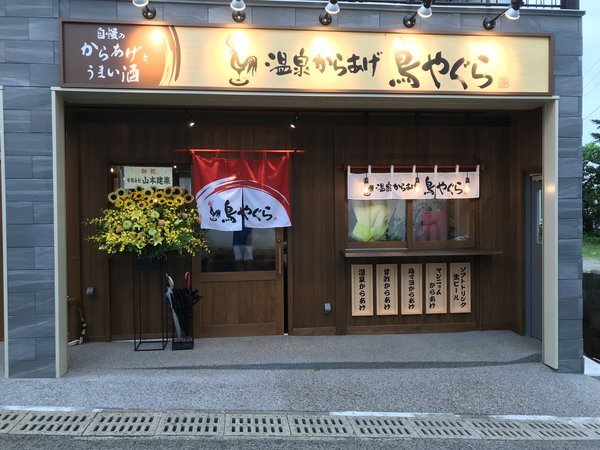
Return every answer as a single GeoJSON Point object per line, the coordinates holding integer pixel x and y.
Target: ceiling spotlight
{"type": "Point", "coordinates": [424, 11]}
{"type": "Point", "coordinates": [238, 14]}
{"type": "Point", "coordinates": [149, 12]}
{"type": "Point", "coordinates": [139, 3]}
{"type": "Point", "coordinates": [511, 13]}
{"type": "Point", "coordinates": [331, 9]}
{"type": "Point", "coordinates": [294, 122]}
{"type": "Point", "coordinates": [237, 5]}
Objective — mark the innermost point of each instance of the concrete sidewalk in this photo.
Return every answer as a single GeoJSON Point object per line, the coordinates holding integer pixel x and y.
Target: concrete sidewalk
{"type": "Point", "coordinates": [475, 373]}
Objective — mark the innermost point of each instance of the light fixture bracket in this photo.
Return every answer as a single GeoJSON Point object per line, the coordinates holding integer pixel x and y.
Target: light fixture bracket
{"type": "Point", "coordinates": [325, 18]}
{"type": "Point", "coordinates": [149, 12]}
{"type": "Point", "coordinates": [410, 21]}
{"type": "Point", "coordinates": [238, 16]}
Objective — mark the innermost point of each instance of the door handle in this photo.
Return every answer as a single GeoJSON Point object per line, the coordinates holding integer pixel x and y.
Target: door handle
{"type": "Point", "coordinates": [279, 260]}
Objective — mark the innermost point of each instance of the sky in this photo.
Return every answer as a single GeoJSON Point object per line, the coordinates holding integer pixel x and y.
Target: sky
{"type": "Point", "coordinates": [591, 67]}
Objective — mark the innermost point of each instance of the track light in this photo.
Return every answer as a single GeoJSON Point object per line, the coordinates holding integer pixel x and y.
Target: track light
{"type": "Point", "coordinates": [238, 14]}
{"type": "Point", "coordinates": [331, 9]}
{"type": "Point", "coordinates": [511, 13]}
{"type": "Point", "coordinates": [294, 122]}
{"type": "Point", "coordinates": [424, 11]}
{"type": "Point", "coordinates": [190, 122]}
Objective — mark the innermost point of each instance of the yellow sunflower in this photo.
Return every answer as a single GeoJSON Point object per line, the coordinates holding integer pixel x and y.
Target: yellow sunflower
{"type": "Point", "coordinates": [112, 197]}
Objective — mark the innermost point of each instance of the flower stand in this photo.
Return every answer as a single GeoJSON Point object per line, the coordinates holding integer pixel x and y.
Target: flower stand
{"type": "Point", "coordinates": [144, 269]}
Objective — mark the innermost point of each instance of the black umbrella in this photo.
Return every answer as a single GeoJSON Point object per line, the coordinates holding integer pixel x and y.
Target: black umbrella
{"type": "Point", "coordinates": [181, 301]}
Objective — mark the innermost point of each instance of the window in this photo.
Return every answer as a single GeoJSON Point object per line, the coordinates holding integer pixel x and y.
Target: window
{"type": "Point", "coordinates": [441, 221]}
{"type": "Point", "coordinates": [377, 220]}
{"type": "Point", "coordinates": [416, 224]}
{"type": "Point", "coordinates": [245, 250]}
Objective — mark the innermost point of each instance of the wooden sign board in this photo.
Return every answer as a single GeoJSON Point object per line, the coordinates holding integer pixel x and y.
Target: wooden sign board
{"type": "Point", "coordinates": [362, 290]}
{"type": "Point", "coordinates": [436, 293]}
{"type": "Point", "coordinates": [386, 276]}
{"type": "Point", "coordinates": [411, 289]}
{"type": "Point", "coordinates": [163, 56]}
{"type": "Point", "coordinates": [460, 288]}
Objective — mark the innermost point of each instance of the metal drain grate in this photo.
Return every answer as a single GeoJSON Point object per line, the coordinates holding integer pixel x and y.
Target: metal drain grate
{"type": "Point", "coordinates": [310, 425]}
{"type": "Point", "coordinates": [503, 429]}
{"type": "Point", "coordinates": [592, 428]}
{"type": "Point", "coordinates": [256, 425]}
{"type": "Point", "coordinates": [443, 428]}
{"type": "Point", "coordinates": [53, 423]}
{"type": "Point", "coordinates": [191, 424]}
{"type": "Point", "coordinates": [123, 424]}
{"type": "Point", "coordinates": [382, 427]}
{"type": "Point", "coordinates": [552, 430]}
{"type": "Point", "coordinates": [8, 420]}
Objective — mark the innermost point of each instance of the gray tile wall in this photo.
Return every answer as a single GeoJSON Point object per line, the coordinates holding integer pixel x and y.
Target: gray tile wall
{"type": "Point", "coordinates": [29, 57]}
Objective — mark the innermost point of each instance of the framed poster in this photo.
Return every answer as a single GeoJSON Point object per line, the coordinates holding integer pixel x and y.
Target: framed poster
{"type": "Point", "coordinates": [386, 282]}
{"type": "Point", "coordinates": [436, 293]}
{"type": "Point", "coordinates": [362, 289]}
{"type": "Point", "coordinates": [411, 288]}
{"type": "Point", "coordinates": [460, 288]}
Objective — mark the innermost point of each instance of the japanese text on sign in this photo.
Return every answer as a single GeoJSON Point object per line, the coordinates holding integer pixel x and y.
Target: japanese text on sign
{"type": "Point", "coordinates": [387, 289]}
{"type": "Point", "coordinates": [460, 287]}
{"type": "Point", "coordinates": [162, 56]}
{"type": "Point", "coordinates": [362, 290]}
{"type": "Point", "coordinates": [156, 177]}
{"type": "Point", "coordinates": [387, 185]}
{"type": "Point", "coordinates": [411, 287]}
{"type": "Point", "coordinates": [436, 288]}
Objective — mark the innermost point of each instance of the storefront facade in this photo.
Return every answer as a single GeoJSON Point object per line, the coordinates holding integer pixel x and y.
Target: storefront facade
{"type": "Point", "coordinates": [65, 138]}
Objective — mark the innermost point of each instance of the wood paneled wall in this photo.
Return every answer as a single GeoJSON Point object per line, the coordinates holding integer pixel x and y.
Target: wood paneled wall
{"type": "Point", "coordinates": [505, 144]}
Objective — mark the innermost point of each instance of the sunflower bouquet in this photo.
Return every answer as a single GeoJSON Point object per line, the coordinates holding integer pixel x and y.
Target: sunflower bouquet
{"type": "Point", "coordinates": [149, 223]}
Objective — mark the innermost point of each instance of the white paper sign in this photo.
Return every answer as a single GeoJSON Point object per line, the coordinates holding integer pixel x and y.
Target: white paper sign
{"type": "Point", "coordinates": [412, 289]}
{"type": "Point", "coordinates": [387, 289]}
{"type": "Point", "coordinates": [460, 288]}
{"type": "Point", "coordinates": [436, 297]}
{"type": "Point", "coordinates": [362, 290]}
{"type": "Point", "coordinates": [151, 177]}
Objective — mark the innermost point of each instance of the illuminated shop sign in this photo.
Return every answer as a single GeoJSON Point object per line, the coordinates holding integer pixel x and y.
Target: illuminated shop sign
{"type": "Point", "coordinates": [122, 55]}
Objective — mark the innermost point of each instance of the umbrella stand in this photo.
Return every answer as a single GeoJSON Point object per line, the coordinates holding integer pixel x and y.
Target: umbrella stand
{"type": "Point", "coordinates": [181, 302]}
